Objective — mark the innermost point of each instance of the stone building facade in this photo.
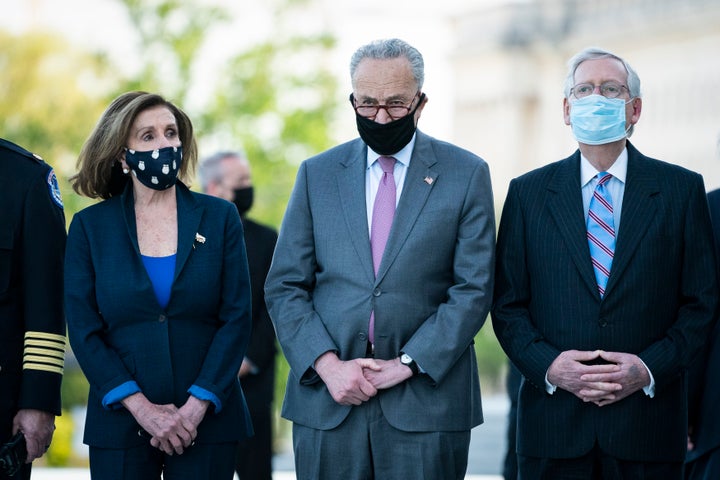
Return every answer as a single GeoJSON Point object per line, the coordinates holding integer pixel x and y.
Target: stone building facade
{"type": "Point", "coordinates": [509, 64]}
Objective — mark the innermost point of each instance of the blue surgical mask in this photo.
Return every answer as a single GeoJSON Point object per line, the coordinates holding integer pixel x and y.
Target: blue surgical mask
{"type": "Point", "coordinates": [597, 120]}
{"type": "Point", "coordinates": [156, 169]}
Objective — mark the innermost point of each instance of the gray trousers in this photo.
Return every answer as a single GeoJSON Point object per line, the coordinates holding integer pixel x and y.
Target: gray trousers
{"type": "Point", "coordinates": [366, 447]}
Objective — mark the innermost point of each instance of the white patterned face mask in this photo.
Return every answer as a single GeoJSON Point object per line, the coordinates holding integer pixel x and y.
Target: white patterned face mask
{"type": "Point", "coordinates": [156, 169]}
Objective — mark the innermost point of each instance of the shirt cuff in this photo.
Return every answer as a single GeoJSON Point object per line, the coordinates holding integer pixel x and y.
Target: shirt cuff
{"type": "Point", "coordinates": [649, 389]}
{"type": "Point", "coordinates": [112, 400]}
{"type": "Point", "coordinates": [549, 387]}
{"type": "Point", "coordinates": [203, 394]}
{"type": "Point", "coordinates": [254, 370]}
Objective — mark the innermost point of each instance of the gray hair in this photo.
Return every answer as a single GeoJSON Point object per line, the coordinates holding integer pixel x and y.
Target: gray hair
{"type": "Point", "coordinates": [593, 53]}
{"type": "Point", "coordinates": [390, 48]}
{"type": "Point", "coordinates": [210, 170]}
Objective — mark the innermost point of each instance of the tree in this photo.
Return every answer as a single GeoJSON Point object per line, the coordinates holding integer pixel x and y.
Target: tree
{"type": "Point", "coordinates": [50, 96]}
{"type": "Point", "coordinates": [274, 98]}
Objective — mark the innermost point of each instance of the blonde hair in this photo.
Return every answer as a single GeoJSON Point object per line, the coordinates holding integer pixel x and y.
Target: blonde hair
{"type": "Point", "coordinates": [99, 170]}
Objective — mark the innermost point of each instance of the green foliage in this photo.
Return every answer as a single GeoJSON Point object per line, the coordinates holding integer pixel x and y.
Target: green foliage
{"type": "Point", "coordinates": [171, 33]}
{"type": "Point", "coordinates": [281, 427]}
{"type": "Point", "coordinates": [491, 359]}
{"type": "Point", "coordinates": [50, 97]}
{"type": "Point", "coordinates": [75, 387]}
{"type": "Point", "coordinates": [279, 110]}
{"type": "Point", "coordinates": [60, 452]}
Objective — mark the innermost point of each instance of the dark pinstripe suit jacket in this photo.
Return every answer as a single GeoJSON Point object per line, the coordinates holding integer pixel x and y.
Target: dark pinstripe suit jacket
{"type": "Point", "coordinates": [705, 374]}
{"type": "Point", "coordinates": [659, 304]}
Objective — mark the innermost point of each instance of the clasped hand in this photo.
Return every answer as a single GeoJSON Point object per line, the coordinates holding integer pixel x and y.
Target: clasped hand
{"type": "Point", "coordinates": [610, 377]}
{"type": "Point", "coordinates": [356, 381]}
{"type": "Point", "coordinates": [172, 429]}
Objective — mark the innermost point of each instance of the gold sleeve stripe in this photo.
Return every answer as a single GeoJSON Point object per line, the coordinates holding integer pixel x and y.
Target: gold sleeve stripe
{"type": "Point", "coordinates": [58, 347]}
{"type": "Point", "coordinates": [53, 337]}
{"type": "Point", "coordinates": [29, 359]}
{"type": "Point", "coordinates": [45, 351]}
{"type": "Point", "coordinates": [43, 367]}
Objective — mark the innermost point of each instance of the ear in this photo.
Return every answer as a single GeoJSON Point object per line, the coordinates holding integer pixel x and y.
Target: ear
{"type": "Point", "coordinates": [420, 109]}
{"type": "Point", "coordinates": [566, 111]}
{"type": "Point", "coordinates": [213, 189]}
{"type": "Point", "coordinates": [121, 161]}
{"type": "Point", "coordinates": [636, 109]}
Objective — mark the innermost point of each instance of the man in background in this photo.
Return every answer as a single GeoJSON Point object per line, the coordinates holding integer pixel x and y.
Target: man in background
{"type": "Point", "coordinates": [227, 175]}
{"type": "Point", "coordinates": [32, 322]}
{"type": "Point", "coordinates": [703, 457]}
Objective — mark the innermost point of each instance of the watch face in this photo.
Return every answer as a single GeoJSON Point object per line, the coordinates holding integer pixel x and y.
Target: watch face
{"type": "Point", "coordinates": [405, 359]}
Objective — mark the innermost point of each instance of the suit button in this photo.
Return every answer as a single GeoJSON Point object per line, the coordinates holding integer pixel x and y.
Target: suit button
{"type": "Point", "coordinates": [362, 336]}
{"type": "Point", "coordinates": [603, 322]}
{"type": "Point", "coordinates": [162, 318]}
{"type": "Point", "coordinates": [376, 292]}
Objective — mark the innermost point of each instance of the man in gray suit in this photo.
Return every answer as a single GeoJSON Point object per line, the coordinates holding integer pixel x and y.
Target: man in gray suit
{"type": "Point", "coordinates": [605, 291]}
{"type": "Point", "coordinates": [378, 326]}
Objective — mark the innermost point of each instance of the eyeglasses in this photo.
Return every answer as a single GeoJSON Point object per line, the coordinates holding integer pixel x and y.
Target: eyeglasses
{"type": "Point", "coordinates": [607, 89]}
{"type": "Point", "coordinates": [394, 110]}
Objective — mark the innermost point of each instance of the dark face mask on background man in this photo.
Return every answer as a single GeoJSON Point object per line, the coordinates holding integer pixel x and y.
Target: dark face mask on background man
{"type": "Point", "coordinates": [387, 138]}
{"type": "Point", "coordinates": [243, 199]}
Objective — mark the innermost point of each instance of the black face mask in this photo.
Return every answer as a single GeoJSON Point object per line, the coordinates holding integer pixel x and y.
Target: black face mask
{"type": "Point", "coordinates": [387, 138]}
{"type": "Point", "coordinates": [243, 199]}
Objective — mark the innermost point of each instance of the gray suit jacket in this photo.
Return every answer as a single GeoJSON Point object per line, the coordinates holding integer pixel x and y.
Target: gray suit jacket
{"type": "Point", "coordinates": [431, 295]}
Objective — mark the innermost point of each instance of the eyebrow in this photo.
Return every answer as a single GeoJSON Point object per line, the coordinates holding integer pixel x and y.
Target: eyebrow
{"type": "Point", "coordinates": [400, 96]}
{"type": "Point", "coordinates": [152, 127]}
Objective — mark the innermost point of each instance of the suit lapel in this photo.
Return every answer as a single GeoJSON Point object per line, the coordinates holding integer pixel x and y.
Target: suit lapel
{"type": "Point", "coordinates": [351, 191]}
{"type": "Point", "coordinates": [142, 277]}
{"type": "Point", "coordinates": [638, 211]}
{"type": "Point", "coordinates": [419, 182]}
{"type": "Point", "coordinates": [565, 206]}
{"type": "Point", "coordinates": [189, 215]}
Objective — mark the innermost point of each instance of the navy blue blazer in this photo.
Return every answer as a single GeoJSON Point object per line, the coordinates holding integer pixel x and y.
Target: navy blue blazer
{"type": "Point", "coordinates": [119, 333]}
{"type": "Point", "coordinates": [659, 304]}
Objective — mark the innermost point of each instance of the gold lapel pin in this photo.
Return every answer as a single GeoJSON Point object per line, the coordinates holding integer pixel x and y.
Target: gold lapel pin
{"type": "Point", "coordinates": [198, 239]}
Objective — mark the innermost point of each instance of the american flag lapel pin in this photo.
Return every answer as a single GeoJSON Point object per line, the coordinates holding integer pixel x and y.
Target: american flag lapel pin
{"type": "Point", "coordinates": [429, 180]}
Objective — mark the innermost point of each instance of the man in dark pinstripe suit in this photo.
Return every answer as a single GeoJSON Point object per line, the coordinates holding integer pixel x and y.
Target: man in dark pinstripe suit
{"type": "Point", "coordinates": [604, 363]}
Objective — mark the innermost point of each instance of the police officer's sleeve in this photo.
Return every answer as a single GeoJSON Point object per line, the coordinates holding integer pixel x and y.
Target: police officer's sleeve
{"type": "Point", "coordinates": [43, 251]}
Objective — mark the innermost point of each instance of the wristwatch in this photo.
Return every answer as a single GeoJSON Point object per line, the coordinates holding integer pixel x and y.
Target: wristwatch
{"type": "Point", "coordinates": [406, 359]}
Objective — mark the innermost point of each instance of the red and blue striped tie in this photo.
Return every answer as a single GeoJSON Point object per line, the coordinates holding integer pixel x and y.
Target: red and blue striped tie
{"type": "Point", "coordinates": [601, 231]}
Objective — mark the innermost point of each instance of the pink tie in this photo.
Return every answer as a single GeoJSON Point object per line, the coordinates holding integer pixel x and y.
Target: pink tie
{"type": "Point", "coordinates": [382, 219]}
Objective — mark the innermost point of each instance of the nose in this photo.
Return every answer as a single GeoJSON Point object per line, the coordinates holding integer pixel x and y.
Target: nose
{"type": "Point", "coordinates": [383, 116]}
{"type": "Point", "coordinates": [164, 141]}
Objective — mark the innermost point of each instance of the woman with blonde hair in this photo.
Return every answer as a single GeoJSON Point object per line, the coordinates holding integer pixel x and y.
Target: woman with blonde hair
{"type": "Point", "coordinates": [157, 299]}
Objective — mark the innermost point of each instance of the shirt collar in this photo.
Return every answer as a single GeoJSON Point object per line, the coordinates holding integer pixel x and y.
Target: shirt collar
{"type": "Point", "coordinates": [403, 156]}
{"type": "Point", "coordinates": [617, 170]}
